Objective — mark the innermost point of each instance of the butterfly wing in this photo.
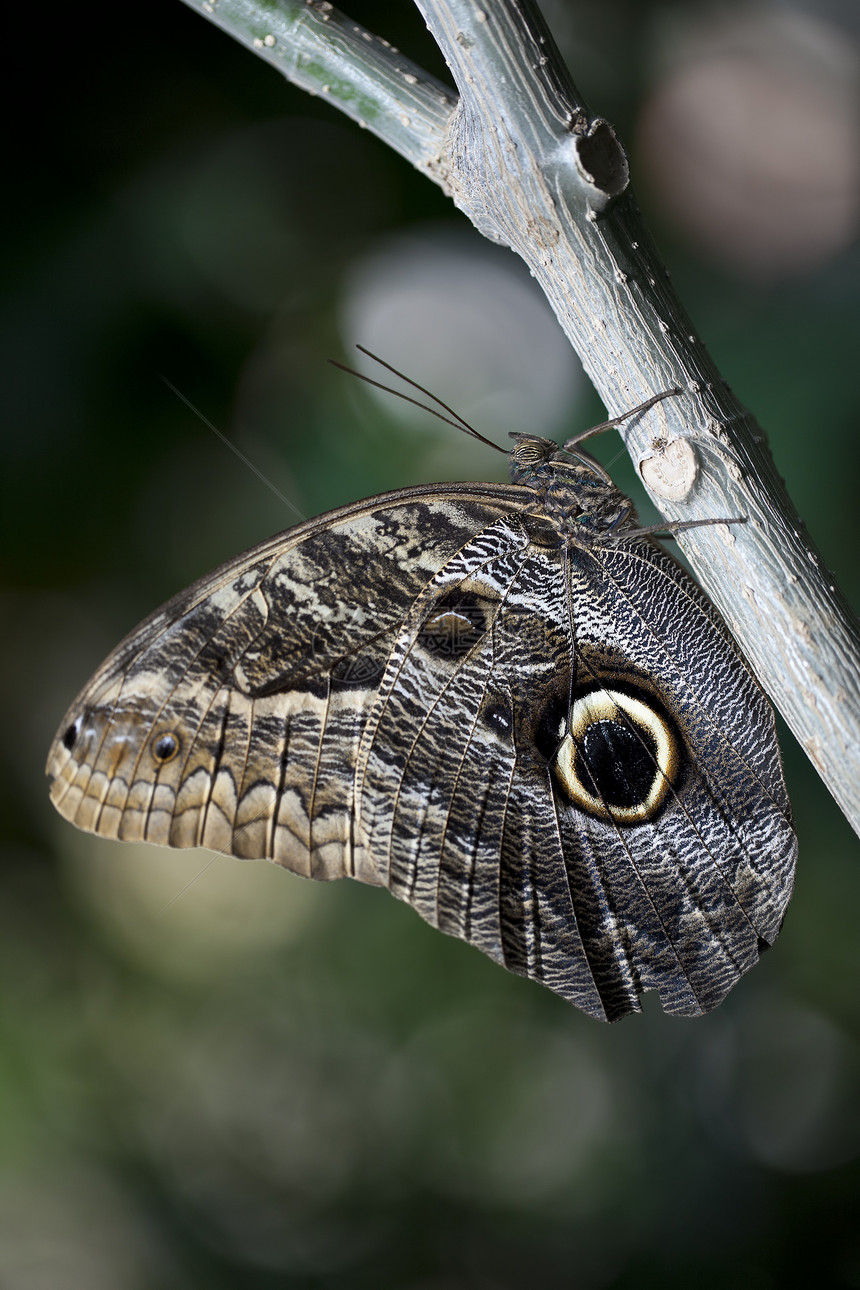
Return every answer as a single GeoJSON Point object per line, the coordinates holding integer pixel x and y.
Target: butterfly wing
{"type": "Point", "coordinates": [387, 693]}
{"type": "Point", "coordinates": [711, 875]}
{"type": "Point", "coordinates": [231, 717]}
{"type": "Point", "coordinates": [483, 833]}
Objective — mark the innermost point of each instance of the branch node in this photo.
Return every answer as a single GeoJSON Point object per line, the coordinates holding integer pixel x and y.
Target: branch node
{"type": "Point", "coordinates": [601, 160]}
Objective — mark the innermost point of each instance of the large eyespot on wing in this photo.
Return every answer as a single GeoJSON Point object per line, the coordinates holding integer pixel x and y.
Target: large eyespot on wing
{"type": "Point", "coordinates": [618, 756]}
{"type": "Point", "coordinates": [231, 717]}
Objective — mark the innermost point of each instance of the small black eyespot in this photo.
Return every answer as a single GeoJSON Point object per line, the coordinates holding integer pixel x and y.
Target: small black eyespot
{"type": "Point", "coordinates": [455, 625]}
{"type": "Point", "coordinates": [165, 748]}
{"type": "Point", "coordinates": [499, 718]}
{"type": "Point", "coordinates": [68, 739]}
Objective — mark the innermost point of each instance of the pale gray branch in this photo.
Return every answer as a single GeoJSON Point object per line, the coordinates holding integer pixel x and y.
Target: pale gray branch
{"type": "Point", "coordinates": [321, 50]}
{"type": "Point", "coordinates": [534, 170]}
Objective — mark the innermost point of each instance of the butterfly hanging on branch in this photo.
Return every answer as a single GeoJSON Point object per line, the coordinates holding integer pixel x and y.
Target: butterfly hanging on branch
{"type": "Point", "coordinates": [503, 702]}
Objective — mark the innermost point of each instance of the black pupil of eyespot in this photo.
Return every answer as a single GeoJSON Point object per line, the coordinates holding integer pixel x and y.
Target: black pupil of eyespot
{"type": "Point", "coordinates": [165, 747]}
{"type": "Point", "coordinates": [71, 735]}
{"type": "Point", "coordinates": [617, 764]}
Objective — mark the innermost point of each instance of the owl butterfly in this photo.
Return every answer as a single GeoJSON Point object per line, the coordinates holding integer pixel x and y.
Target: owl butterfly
{"type": "Point", "coordinates": [505, 703]}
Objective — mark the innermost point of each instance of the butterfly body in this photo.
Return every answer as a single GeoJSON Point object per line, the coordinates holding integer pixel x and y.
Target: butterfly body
{"type": "Point", "coordinates": [502, 702]}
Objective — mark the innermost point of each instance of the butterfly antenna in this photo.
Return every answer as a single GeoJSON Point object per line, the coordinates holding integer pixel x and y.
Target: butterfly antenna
{"type": "Point", "coordinates": [286, 501]}
{"type": "Point", "coordinates": [454, 419]}
{"type": "Point", "coordinates": [191, 881]}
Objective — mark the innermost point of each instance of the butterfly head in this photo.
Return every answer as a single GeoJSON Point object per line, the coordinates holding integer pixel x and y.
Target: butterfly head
{"type": "Point", "coordinates": [572, 489]}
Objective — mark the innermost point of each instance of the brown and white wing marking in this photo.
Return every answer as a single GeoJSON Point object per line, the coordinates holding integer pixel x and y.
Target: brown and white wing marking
{"type": "Point", "coordinates": [231, 718]}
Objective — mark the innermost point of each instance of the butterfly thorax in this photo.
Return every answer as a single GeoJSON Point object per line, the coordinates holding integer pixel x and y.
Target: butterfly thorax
{"type": "Point", "coordinates": [572, 490]}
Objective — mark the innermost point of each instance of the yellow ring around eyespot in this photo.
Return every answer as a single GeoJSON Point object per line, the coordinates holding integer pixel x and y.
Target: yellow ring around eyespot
{"type": "Point", "coordinates": [156, 739]}
{"type": "Point", "coordinates": [605, 705]}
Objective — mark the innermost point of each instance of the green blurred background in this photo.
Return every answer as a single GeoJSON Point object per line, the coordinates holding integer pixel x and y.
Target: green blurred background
{"type": "Point", "coordinates": [217, 1075]}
